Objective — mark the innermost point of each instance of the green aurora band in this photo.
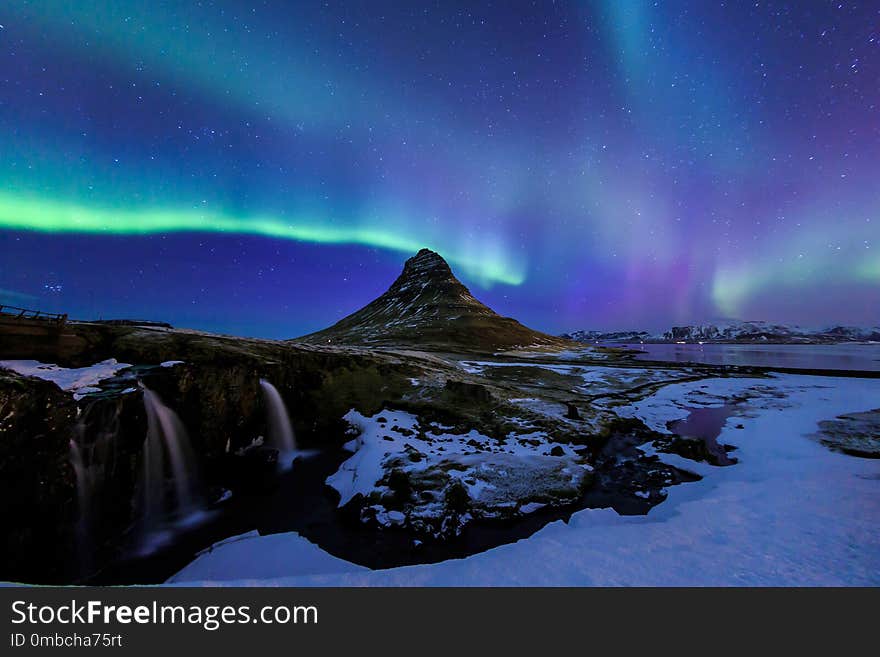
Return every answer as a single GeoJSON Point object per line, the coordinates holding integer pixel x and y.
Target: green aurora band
{"type": "Point", "coordinates": [54, 216]}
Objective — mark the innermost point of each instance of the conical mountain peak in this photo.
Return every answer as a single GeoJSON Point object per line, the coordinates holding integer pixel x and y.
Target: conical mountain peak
{"type": "Point", "coordinates": [428, 306]}
{"type": "Point", "coordinates": [426, 261]}
{"type": "Point", "coordinates": [428, 276]}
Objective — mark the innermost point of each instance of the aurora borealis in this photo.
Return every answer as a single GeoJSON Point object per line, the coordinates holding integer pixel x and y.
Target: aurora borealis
{"type": "Point", "coordinates": [264, 168]}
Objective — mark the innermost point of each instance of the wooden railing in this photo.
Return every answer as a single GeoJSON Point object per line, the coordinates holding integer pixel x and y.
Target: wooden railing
{"type": "Point", "coordinates": [26, 313]}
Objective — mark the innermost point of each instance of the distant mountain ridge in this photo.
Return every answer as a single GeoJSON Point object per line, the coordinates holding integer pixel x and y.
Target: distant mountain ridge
{"type": "Point", "coordinates": [741, 332]}
{"type": "Point", "coordinates": [427, 306]}
{"type": "Point", "coordinates": [603, 336]}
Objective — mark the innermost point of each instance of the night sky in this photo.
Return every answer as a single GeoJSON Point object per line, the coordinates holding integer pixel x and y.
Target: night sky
{"type": "Point", "coordinates": [264, 168]}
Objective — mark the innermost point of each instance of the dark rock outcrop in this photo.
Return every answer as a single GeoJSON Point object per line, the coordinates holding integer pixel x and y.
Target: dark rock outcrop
{"type": "Point", "coordinates": [856, 434]}
{"type": "Point", "coordinates": [37, 483]}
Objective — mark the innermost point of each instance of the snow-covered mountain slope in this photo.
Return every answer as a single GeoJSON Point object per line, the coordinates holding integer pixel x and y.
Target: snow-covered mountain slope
{"type": "Point", "coordinates": [766, 332]}
{"type": "Point", "coordinates": [612, 336]}
{"type": "Point", "coordinates": [734, 331]}
{"type": "Point", "coordinates": [428, 306]}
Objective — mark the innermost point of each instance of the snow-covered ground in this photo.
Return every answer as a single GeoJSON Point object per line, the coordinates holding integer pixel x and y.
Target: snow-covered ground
{"type": "Point", "coordinates": [498, 476]}
{"type": "Point", "coordinates": [585, 352]}
{"type": "Point", "coordinates": [596, 379]}
{"type": "Point", "coordinates": [230, 559]}
{"type": "Point", "coordinates": [791, 512]}
{"type": "Point", "coordinates": [79, 380]}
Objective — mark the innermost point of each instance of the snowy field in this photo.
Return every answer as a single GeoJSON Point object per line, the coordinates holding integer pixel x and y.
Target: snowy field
{"type": "Point", "coordinates": [791, 512]}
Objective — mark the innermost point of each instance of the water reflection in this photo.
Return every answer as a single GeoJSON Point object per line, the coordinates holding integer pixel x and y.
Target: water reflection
{"type": "Point", "coordinates": [864, 357]}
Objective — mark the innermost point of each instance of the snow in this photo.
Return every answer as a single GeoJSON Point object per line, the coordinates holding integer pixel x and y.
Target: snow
{"type": "Point", "coordinates": [388, 518]}
{"type": "Point", "coordinates": [699, 468]}
{"type": "Point", "coordinates": [577, 354]}
{"type": "Point", "coordinates": [596, 378]}
{"type": "Point", "coordinates": [471, 368]}
{"type": "Point", "coordinates": [79, 380]}
{"type": "Point", "coordinates": [383, 438]}
{"type": "Point", "coordinates": [226, 541]}
{"type": "Point", "coordinates": [359, 474]}
{"type": "Point", "coordinates": [171, 363]}
{"type": "Point", "coordinates": [791, 512]}
{"type": "Point", "coordinates": [231, 559]}
{"type": "Point", "coordinates": [495, 474]}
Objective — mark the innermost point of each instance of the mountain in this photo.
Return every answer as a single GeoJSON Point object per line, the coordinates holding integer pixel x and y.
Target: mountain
{"type": "Point", "coordinates": [735, 331]}
{"type": "Point", "coordinates": [854, 333]}
{"type": "Point", "coordinates": [613, 336]}
{"type": "Point", "coordinates": [766, 332]}
{"type": "Point", "coordinates": [427, 306]}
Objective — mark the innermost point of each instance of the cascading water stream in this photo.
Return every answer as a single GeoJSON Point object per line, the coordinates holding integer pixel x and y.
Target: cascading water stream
{"type": "Point", "coordinates": [166, 440]}
{"type": "Point", "coordinates": [281, 435]}
{"type": "Point", "coordinates": [83, 500]}
{"type": "Point", "coordinates": [92, 455]}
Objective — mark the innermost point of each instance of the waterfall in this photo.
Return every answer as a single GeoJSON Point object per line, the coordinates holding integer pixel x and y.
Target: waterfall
{"type": "Point", "coordinates": [79, 469]}
{"type": "Point", "coordinates": [166, 442]}
{"type": "Point", "coordinates": [280, 432]}
{"type": "Point", "coordinates": [83, 503]}
{"type": "Point", "coordinates": [92, 455]}
{"type": "Point", "coordinates": [166, 497]}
